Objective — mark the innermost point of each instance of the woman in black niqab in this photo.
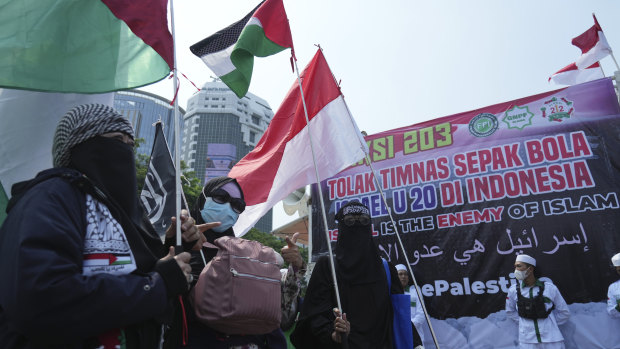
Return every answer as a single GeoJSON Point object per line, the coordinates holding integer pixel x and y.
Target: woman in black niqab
{"type": "Point", "coordinates": [362, 286]}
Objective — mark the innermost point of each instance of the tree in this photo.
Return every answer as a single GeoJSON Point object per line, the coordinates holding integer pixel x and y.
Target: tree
{"type": "Point", "coordinates": [272, 241]}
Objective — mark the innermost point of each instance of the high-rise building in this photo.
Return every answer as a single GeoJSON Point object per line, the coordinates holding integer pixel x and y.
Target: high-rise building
{"type": "Point", "coordinates": [143, 109]}
{"type": "Point", "coordinates": [220, 129]}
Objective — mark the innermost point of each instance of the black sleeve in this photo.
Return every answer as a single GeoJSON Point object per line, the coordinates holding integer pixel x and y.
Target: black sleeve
{"type": "Point", "coordinates": [316, 319]}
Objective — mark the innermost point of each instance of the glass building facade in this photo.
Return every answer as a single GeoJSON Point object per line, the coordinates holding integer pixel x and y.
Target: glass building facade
{"type": "Point", "coordinates": [220, 129]}
{"type": "Point", "coordinates": [144, 109]}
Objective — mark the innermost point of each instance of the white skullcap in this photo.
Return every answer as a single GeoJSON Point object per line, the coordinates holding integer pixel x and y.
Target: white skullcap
{"type": "Point", "coordinates": [615, 260]}
{"type": "Point", "coordinates": [279, 259]}
{"type": "Point", "coordinates": [401, 267]}
{"type": "Point", "coordinates": [526, 259]}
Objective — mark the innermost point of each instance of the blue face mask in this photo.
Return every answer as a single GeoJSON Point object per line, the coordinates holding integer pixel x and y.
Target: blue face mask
{"type": "Point", "coordinates": [214, 212]}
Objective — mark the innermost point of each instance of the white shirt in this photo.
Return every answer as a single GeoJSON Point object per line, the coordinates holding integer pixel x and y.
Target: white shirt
{"type": "Point", "coordinates": [613, 296]}
{"type": "Point", "coordinates": [417, 313]}
{"type": "Point", "coordinates": [539, 330]}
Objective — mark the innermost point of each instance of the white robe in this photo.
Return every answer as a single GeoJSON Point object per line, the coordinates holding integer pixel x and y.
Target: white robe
{"type": "Point", "coordinates": [613, 296]}
{"type": "Point", "coordinates": [417, 313]}
{"type": "Point", "coordinates": [534, 332]}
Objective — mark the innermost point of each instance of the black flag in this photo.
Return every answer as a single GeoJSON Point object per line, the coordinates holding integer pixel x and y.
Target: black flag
{"type": "Point", "coordinates": [158, 192]}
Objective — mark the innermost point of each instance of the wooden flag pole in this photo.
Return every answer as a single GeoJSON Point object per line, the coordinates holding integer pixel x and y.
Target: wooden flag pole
{"type": "Point", "coordinates": [344, 343]}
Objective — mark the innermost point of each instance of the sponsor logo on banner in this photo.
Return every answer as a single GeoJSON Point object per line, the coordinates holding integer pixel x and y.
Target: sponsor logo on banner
{"type": "Point", "coordinates": [557, 109]}
{"type": "Point", "coordinates": [483, 125]}
{"type": "Point", "coordinates": [518, 117]}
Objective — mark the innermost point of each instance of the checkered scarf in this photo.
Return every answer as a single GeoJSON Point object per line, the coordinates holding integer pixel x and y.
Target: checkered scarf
{"type": "Point", "coordinates": [82, 123]}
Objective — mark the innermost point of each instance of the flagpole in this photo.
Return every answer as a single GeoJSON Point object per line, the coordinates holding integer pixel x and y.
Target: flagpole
{"type": "Point", "coordinates": [400, 242]}
{"type": "Point", "coordinates": [177, 143]}
{"type": "Point", "coordinates": [344, 343]}
{"type": "Point", "coordinates": [614, 58]}
{"type": "Point", "coordinates": [189, 215]}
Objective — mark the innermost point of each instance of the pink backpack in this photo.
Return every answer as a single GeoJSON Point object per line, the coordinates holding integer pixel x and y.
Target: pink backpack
{"type": "Point", "coordinates": [238, 291]}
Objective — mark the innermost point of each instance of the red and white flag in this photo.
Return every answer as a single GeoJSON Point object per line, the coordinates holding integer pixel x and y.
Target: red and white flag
{"type": "Point", "coordinates": [282, 160]}
{"type": "Point", "coordinates": [593, 45]}
{"type": "Point", "coordinates": [571, 75]}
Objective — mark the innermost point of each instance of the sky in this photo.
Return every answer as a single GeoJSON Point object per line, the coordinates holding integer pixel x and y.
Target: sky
{"type": "Point", "coordinates": [401, 62]}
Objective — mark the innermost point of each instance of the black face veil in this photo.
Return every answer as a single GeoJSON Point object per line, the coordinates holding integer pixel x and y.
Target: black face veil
{"type": "Point", "coordinates": [357, 259]}
{"type": "Point", "coordinates": [362, 279]}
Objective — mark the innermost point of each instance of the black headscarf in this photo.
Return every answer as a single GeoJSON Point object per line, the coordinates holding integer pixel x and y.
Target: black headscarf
{"type": "Point", "coordinates": [208, 188]}
{"type": "Point", "coordinates": [196, 260]}
{"type": "Point", "coordinates": [357, 259]}
{"type": "Point", "coordinates": [363, 287]}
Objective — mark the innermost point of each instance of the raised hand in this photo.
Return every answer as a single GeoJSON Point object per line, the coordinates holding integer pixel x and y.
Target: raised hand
{"type": "Point", "coordinates": [290, 253]}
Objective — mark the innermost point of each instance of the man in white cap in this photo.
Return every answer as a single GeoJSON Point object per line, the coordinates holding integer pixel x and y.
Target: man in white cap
{"type": "Point", "coordinates": [613, 293]}
{"type": "Point", "coordinates": [537, 305]}
{"type": "Point", "coordinates": [417, 313]}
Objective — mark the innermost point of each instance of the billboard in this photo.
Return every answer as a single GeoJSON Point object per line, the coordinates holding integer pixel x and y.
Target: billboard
{"type": "Point", "coordinates": [221, 157]}
{"type": "Point", "coordinates": [468, 192]}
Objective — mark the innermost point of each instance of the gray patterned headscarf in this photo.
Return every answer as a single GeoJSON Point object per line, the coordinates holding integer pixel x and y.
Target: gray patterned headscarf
{"type": "Point", "coordinates": [82, 123]}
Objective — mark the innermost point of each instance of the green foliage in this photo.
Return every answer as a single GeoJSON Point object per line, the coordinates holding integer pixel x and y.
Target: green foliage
{"type": "Point", "coordinates": [191, 185]}
{"type": "Point", "coordinates": [266, 239]}
{"type": "Point", "coordinates": [142, 164]}
{"type": "Point", "coordinates": [189, 181]}
{"type": "Point", "coordinates": [272, 241]}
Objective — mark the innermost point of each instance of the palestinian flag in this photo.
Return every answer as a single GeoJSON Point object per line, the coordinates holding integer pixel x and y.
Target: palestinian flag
{"type": "Point", "coordinates": [230, 52]}
{"type": "Point", "coordinates": [106, 259]}
{"type": "Point", "coordinates": [84, 46]}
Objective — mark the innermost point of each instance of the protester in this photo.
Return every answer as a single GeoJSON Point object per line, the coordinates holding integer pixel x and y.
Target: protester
{"type": "Point", "coordinates": [363, 291]}
{"type": "Point", "coordinates": [417, 313]}
{"type": "Point", "coordinates": [80, 265]}
{"type": "Point", "coordinates": [538, 307]}
{"type": "Point", "coordinates": [222, 200]}
{"type": "Point", "coordinates": [613, 293]}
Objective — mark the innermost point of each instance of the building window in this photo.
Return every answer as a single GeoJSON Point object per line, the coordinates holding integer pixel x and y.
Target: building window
{"type": "Point", "coordinates": [252, 137]}
{"type": "Point", "coordinates": [195, 138]}
{"type": "Point", "coordinates": [213, 106]}
{"type": "Point", "coordinates": [194, 146]}
{"type": "Point", "coordinates": [255, 120]}
{"type": "Point", "coordinates": [216, 99]}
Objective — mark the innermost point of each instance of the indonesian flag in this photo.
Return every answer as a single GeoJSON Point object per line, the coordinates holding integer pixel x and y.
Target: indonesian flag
{"type": "Point", "coordinates": [282, 160]}
{"type": "Point", "coordinates": [593, 45]}
{"type": "Point", "coordinates": [571, 75]}
{"type": "Point", "coordinates": [230, 52]}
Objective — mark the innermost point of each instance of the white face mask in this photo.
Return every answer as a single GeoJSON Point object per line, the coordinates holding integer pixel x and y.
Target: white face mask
{"type": "Point", "coordinates": [521, 274]}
